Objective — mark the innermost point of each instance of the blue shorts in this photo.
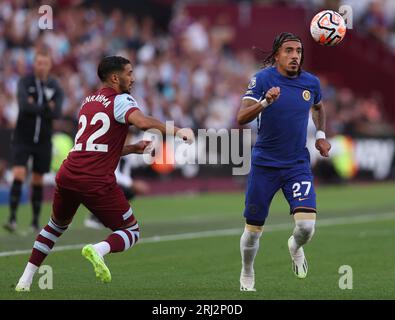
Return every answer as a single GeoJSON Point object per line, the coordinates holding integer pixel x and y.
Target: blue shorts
{"type": "Point", "coordinates": [263, 183]}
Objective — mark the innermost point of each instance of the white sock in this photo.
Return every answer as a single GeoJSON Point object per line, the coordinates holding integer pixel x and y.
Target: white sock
{"type": "Point", "coordinates": [102, 248]}
{"type": "Point", "coordinates": [28, 274]}
{"type": "Point", "coordinates": [249, 245]}
{"type": "Point", "coordinates": [303, 232]}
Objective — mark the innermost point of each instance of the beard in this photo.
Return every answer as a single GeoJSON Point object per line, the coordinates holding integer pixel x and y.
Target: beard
{"type": "Point", "coordinates": [124, 87]}
{"type": "Point", "coordinates": [292, 73]}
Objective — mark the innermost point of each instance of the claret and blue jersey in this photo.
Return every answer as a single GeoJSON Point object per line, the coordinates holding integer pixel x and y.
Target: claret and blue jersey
{"type": "Point", "coordinates": [280, 158]}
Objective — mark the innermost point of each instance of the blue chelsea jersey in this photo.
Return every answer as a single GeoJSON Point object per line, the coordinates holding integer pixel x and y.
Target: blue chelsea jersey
{"type": "Point", "coordinates": [282, 126]}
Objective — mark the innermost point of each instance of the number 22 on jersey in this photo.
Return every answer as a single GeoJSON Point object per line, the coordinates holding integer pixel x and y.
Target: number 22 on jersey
{"type": "Point", "coordinates": [90, 145]}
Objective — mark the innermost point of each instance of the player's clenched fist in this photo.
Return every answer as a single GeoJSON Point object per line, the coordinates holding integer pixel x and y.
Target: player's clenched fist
{"type": "Point", "coordinates": [272, 94]}
{"type": "Point", "coordinates": [323, 146]}
{"type": "Point", "coordinates": [143, 146]}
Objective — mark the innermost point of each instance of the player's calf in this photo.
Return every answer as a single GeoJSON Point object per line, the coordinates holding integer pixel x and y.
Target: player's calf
{"type": "Point", "coordinates": [120, 240]}
{"type": "Point", "coordinates": [303, 232]}
{"type": "Point", "coordinates": [43, 245]}
{"type": "Point", "coordinates": [36, 199]}
{"type": "Point", "coordinates": [249, 245]}
{"type": "Point", "coordinates": [15, 195]}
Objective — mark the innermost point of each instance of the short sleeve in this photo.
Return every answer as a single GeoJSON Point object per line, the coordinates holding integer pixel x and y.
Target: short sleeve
{"type": "Point", "coordinates": [318, 94]}
{"type": "Point", "coordinates": [124, 104]}
{"type": "Point", "coordinates": [254, 89]}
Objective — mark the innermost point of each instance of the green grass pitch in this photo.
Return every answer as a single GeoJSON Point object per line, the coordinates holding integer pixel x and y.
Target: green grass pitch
{"type": "Point", "coordinates": [191, 250]}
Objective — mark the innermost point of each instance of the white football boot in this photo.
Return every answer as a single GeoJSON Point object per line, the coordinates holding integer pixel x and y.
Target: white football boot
{"type": "Point", "coordinates": [299, 262]}
{"type": "Point", "coordinates": [247, 281]}
{"type": "Point", "coordinates": [23, 287]}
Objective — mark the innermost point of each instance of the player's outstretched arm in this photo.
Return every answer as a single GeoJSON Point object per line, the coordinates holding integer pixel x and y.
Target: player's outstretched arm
{"type": "Point", "coordinates": [319, 119]}
{"type": "Point", "coordinates": [139, 147]}
{"type": "Point", "coordinates": [143, 122]}
{"type": "Point", "coordinates": [250, 109]}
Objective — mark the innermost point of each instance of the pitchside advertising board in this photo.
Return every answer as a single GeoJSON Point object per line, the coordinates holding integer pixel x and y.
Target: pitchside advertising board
{"type": "Point", "coordinates": [362, 156]}
{"type": "Point", "coordinates": [351, 158]}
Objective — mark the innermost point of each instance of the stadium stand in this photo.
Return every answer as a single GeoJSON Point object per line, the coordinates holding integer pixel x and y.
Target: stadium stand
{"type": "Point", "coordinates": [192, 70]}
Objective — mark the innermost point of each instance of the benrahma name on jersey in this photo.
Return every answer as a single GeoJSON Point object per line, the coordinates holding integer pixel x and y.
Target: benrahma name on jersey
{"type": "Point", "coordinates": [99, 98]}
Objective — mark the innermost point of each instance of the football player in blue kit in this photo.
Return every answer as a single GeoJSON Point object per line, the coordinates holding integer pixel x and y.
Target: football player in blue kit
{"type": "Point", "coordinates": [280, 97]}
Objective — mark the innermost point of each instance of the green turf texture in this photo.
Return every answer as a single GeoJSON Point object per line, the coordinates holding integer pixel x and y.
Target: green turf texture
{"type": "Point", "coordinates": [209, 268]}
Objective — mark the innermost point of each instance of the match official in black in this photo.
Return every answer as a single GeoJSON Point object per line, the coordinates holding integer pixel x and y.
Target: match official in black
{"type": "Point", "coordinates": [40, 101]}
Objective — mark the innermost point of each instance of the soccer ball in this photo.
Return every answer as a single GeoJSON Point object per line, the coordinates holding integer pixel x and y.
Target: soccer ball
{"type": "Point", "coordinates": [328, 28]}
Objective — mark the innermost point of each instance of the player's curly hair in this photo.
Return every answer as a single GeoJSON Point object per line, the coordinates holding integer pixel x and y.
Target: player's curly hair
{"type": "Point", "coordinates": [110, 65]}
{"type": "Point", "coordinates": [277, 43]}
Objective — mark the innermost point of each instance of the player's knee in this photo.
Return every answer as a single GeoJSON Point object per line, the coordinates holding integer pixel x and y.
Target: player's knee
{"type": "Point", "coordinates": [251, 234]}
{"type": "Point", "coordinates": [37, 179]}
{"type": "Point", "coordinates": [305, 222]}
{"type": "Point", "coordinates": [255, 224]}
{"type": "Point", "coordinates": [61, 222]}
{"type": "Point", "coordinates": [19, 173]}
{"type": "Point", "coordinates": [305, 228]}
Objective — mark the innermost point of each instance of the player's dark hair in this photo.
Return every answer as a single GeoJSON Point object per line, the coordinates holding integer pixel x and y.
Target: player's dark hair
{"type": "Point", "coordinates": [110, 65]}
{"type": "Point", "coordinates": [277, 43]}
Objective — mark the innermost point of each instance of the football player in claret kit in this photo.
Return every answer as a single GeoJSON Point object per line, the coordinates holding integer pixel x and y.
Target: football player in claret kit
{"type": "Point", "coordinates": [87, 175]}
{"type": "Point", "coordinates": [280, 96]}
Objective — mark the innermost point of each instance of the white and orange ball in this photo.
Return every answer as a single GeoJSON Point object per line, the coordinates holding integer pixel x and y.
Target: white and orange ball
{"type": "Point", "coordinates": [328, 28]}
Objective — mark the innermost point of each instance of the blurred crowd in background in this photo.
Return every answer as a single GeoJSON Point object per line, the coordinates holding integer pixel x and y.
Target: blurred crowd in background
{"type": "Point", "coordinates": [188, 73]}
{"type": "Point", "coordinates": [375, 18]}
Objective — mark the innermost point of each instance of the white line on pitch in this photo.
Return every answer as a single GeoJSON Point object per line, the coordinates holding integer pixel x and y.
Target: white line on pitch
{"type": "Point", "coordinates": [230, 232]}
